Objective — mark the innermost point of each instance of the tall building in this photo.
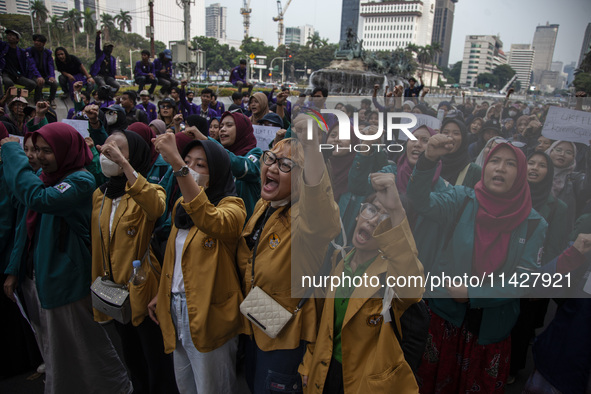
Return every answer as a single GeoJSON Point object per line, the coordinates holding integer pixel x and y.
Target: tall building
{"type": "Point", "coordinates": [21, 7]}
{"type": "Point", "coordinates": [543, 44]}
{"type": "Point", "coordinates": [442, 29]}
{"type": "Point", "coordinates": [215, 21]}
{"type": "Point", "coordinates": [481, 55]}
{"type": "Point", "coordinates": [569, 70]}
{"type": "Point", "coordinates": [298, 35]}
{"type": "Point", "coordinates": [521, 59]}
{"type": "Point", "coordinates": [388, 25]}
{"type": "Point", "coordinates": [349, 17]}
{"type": "Point", "coordinates": [586, 44]}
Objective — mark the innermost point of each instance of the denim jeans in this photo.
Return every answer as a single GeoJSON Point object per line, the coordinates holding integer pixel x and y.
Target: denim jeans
{"type": "Point", "coordinates": [196, 372]}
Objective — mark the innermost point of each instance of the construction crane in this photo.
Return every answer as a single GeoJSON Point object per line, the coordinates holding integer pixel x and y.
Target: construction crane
{"type": "Point", "coordinates": [279, 18]}
{"type": "Point", "coordinates": [245, 12]}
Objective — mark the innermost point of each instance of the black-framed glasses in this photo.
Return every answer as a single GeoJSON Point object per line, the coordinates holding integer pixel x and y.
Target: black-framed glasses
{"type": "Point", "coordinates": [165, 106]}
{"type": "Point", "coordinates": [369, 211]}
{"type": "Point", "coordinates": [517, 144]}
{"type": "Point", "coordinates": [285, 164]}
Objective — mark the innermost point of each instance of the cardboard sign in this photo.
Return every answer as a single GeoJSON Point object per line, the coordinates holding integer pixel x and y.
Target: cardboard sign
{"type": "Point", "coordinates": [422, 120]}
{"type": "Point", "coordinates": [264, 135]}
{"type": "Point", "coordinates": [81, 126]}
{"type": "Point", "coordinates": [567, 125]}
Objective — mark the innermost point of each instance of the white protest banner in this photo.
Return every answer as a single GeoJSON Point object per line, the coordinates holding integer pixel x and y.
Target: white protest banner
{"type": "Point", "coordinates": [81, 126]}
{"type": "Point", "coordinates": [567, 125]}
{"type": "Point", "coordinates": [264, 135]}
{"type": "Point", "coordinates": [422, 120]}
{"type": "Point", "coordinates": [19, 137]}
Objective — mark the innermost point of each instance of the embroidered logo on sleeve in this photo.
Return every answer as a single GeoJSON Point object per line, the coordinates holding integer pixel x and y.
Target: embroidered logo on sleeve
{"type": "Point", "coordinates": [62, 187]}
{"type": "Point", "coordinates": [209, 243]}
{"type": "Point", "coordinates": [274, 240]}
{"type": "Point", "coordinates": [252, 158]}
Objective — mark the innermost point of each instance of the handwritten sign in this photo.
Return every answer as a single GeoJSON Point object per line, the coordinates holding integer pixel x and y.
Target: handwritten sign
{"type": "Point", "coordinates": [422, 120]}
{"type": "Point", "coordinates": [264, 135]}
{"type": "Point", "coordinates": [81, 126]}
{"type": "Point", "coordinates": [19, 137]}
{"type": "Point", "coordinates": [567, 125]}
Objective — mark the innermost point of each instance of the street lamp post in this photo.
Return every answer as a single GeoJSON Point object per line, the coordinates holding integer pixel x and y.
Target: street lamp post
{"type": "Point", "coordinates": [271, 66]}
{"type": "Point", "coordinates": [130, 64]}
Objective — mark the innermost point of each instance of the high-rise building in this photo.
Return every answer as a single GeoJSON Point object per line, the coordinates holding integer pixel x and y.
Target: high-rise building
{"type": "Point", "coordinates": [481, 55]}
{"type": "Point", "coordinates": [521, 59]}
{"type": "Point", "coordinates": [388, 25]}
{"type": "Point", "coordinates": [215, 21]}
{"type": "Point", "coordinates": [442, 29]}
{"type": "Point", "coordinates": [21, 7]}
{"type": "Point", "coordinates": [298, 35]}
{"type": "Point", "coordinates": [349, 17]}
{"type": "Point", "coordinates": [569, 70]}
{"type": "Point", "coordinates": [586, 44]}
{"type": "Point", "coordinates": [543, 44]}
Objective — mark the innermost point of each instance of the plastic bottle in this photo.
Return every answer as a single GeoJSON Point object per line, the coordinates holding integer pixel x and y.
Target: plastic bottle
{"type": "Point", "coordinates": [138, 276]}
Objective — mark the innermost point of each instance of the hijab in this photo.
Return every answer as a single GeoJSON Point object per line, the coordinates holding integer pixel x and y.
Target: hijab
{"type": "Point", "coordinates": [4, 131]}
{"type": "Point", "coordinates": [160, 125]}
{"type": "Point", "coordinates": [139, 158]}
{"type": "Point", "coordinates": [480, 159]}
{"type": "Point", "coordinates": [221, 180]}
{"type": "Point", "coordinates": [541, 190]}
{"type": "Point", "coordinates": [200, 122]}
{"type": "Point", "coordinates": [560, 174]}
{"type": "Point", "coordinates": [182, 140]}
{"type": "Point", "coordinates": [146, 132]}
{"type": "Point", "coordinates": [71, 154]}
{"type": "Point", "coordinates": [499, 215]}
{"type": "Point", "coordinates": [405, 168]}
{"type": "Point", "coordinates": [245, 140]}
{"type": "Point", "coordinates": [263, 101]}
{"type": "Point", "coordinates": [452, 164]}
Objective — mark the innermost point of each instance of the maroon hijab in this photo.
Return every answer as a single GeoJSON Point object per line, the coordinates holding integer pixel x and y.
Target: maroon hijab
{"type": "Point", "coordinates": [245, 140]}
{"type": "Point", "coordinates": [182, 140]}
{"type": "Point", "coordinates": [499, 215]}
{"type": "Point", "coordinates": [147, 134]}
{"type": "Point", "coordinates": [404, 170]}
{"type": "Point", "coordinates": [3, 131]}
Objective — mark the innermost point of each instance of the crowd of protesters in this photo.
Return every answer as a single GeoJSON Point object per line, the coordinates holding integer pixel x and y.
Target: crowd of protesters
{"type": "Point", "coordinates": [186, 189]}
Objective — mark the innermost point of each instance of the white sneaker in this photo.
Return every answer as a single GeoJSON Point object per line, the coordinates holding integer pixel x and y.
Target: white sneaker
{"type": "Point", "coordinates": [41, 368]}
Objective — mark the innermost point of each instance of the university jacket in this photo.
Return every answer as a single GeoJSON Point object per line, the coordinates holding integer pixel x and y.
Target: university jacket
{"type": "Point", "coordinates": [27, 64]}
{"type": "Point", "coordinates": [373, 361]}
{"type": "Point", "coordinates": [100, 56]}
{"type": "Point", "coordinates": [158, 66]}
{"type": "Point", "coordinates": [139, 208]}
{"type": "Point", "coordinates": [305, 228]}
{"type": "Point", "coordinates": [61, 254]}
{"type": "Point", "coordinates": [212, 286]}
{"type": "Point", "coordinates": [501, 309]}
{"type": "Point", "coordinates": [142, 70]}
{"type": "Point", "coordinates": [47, 60]}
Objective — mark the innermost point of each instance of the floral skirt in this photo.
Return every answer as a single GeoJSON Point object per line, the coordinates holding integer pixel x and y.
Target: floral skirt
{"type": "Point", "coordinates": [454, 362]}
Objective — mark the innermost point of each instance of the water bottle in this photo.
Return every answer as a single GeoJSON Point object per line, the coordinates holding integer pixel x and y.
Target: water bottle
{"type": "Point", "coordinates": [138, 276]}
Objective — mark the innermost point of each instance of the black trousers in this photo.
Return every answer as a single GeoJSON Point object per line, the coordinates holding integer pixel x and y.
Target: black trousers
{"type": "Point", "coordinates": [152, 371]}
{"type": "Point", "coordinates": [334, 378]}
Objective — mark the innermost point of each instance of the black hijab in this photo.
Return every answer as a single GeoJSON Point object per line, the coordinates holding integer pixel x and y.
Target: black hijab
{"type": "Point", "coordinates": [221, 180]}
{"type": "Point", "coordinates": [199, 122]}
{"type": "Point", "coordinates": [139, 158]}
{"type": "Point", "coordinates": [454, 163]}
{"type": "Point", "coordinates": [541, 191]}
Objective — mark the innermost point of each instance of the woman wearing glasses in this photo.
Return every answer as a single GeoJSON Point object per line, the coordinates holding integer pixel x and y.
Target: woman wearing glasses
{"type": "Point", "coordinates": [492, 229]}
{"type": "Point", "coordinates": [356, 350]}
{"type": "Point", "coordinates": [568, 185]}
{"type": "Point", "coordinates": [167, 111]}
{"type": "Point", "coordinates": [296, 214]}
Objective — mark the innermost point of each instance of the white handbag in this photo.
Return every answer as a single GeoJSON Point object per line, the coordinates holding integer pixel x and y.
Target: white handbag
{"type": "Point", "coordinates": [266, 313]}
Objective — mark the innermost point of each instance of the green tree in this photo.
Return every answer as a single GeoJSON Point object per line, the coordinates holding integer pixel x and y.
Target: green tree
{"type": "Point", "coordinates": [455, 71]}
{"type": "Point", "coordinates": [487, 78]}
{"type": "Point", "coordinates": [39, 12]}
{"type": "Point", "coordinates": [72, 23]}
{"type": "Point", "coordinates": [582, 82]}
{"type": "Point", "coordinates": [56, 30]}
{"type": "Point", "coordinates": [504, 73]}
{"type": "Point", "coordinates": [314, 41]}
{"type": "Point", "coordinates": [89, 26]}
{"type": "Point", "coordinates": [108, 25]}
{"type": "Point", "coordinates": [123, 18]}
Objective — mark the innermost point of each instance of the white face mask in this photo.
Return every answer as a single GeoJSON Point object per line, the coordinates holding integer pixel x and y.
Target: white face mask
{"type": "Point", "coordinates": [201, 179]}
{"type": "Point", "coordinates": [109, 167]}
{"type": "Point", "coordinates": [111, 119]}
{"type": "Point", "coordinates": [512, 113]}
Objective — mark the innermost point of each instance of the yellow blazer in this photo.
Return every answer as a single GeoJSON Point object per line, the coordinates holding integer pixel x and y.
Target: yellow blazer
{"type": "Point", "coordinates": [373, 361]}
{"type": "Point", "coordinates": [212, 286]}
{"type": "Point", "coordinates": [133, 224]}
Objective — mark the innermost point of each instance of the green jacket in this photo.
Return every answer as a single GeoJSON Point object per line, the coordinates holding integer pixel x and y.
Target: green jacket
{"type": "Point", "coordinates": [500, 304]}
{"type": "Point", "coordinates": [61, 255]}
{"type": "Point", "coordinates": [555, 214]}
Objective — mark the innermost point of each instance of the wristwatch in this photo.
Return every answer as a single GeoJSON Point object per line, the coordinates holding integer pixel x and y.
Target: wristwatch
{"type": "Point", "coordinates": [184, 171]}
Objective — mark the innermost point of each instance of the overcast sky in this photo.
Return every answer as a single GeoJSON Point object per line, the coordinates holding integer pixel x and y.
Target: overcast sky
{"type": "Point", "coordinates": [514, 20]}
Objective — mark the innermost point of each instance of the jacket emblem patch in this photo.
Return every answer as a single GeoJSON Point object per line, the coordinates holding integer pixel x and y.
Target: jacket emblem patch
{"type": "Point", "coordinates": [375, 320]}
{"type": "Point", "coordinates": [252, 158]}
{"type": "Point", "coordinates": [274, 240]}
{"type": "Point", "coordinates": [62, 187]}
{"type": "Point", "coordinates": [209, 243]}
{"type": "Point", "coordinates": [132, 231]}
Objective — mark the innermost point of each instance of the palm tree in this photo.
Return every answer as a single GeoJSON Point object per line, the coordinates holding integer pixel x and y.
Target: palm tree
{"type": "Point", "coordinates": [314, 41]}
{"type": "Point", "coordinates": [39, 12]}
{"type": "Point", "coordinates": [124, 20]}
{"type": "Point", "coordinates": [89, 25]}
{"type": "Point", "coordinates": [72, 23]}
{"type": "Point", "coordinates": [55, 27]}
{"type": "Point", "coordinates": [433, 49]}
{"type": "Point", "coordinates": [107, 25]}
